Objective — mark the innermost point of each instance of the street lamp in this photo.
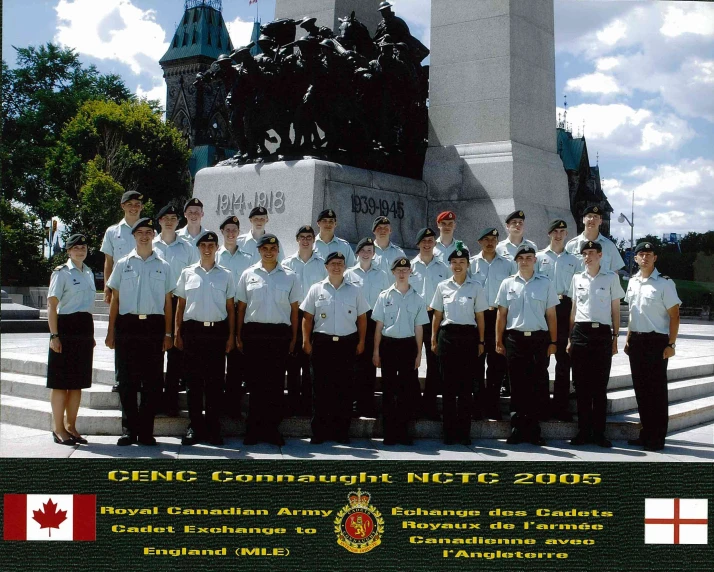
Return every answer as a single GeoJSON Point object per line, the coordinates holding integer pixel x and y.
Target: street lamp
{"type": "Point", "coordinates": [631, 221]}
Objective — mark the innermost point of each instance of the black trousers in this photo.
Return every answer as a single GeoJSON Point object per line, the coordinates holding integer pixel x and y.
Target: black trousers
{"type": "Point", "coordinates": [299, 379]}
{"type": "Point", "coordinates": [205, 349]}
{"type": "Point", "coordinates": [400, 384]}
{"type": "Point", "coordinates": [592, 358]}
{"type": "Point", "coordinates": [139, 357]}
{"type": "Point", "coordinates": [649, 377]}
{"type": "Point", "coordinates": [489, 385]}
{"type": "Point", "coordinates": [458, 346]}
{"type": "Point", "coordinates": [432, 384]}
{"type": "Point", "coordinates": [366, 374]}
{"type": "Point", "coordinates": [561, 389]}
{"type": "Point", "coordinates": [527, 358]}
{"type": "Point", "coordinates": [332, 362]}
{"type": "Point", "coordinates": [174, 367]}
{"type": "Point", "coordinates": [266, 351]}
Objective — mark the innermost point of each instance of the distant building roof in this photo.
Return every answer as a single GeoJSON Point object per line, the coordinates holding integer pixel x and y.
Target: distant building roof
{"type": "Point", "coordinates": [570, 149]}
{"type": "Point", "coordinates": [201, 32]}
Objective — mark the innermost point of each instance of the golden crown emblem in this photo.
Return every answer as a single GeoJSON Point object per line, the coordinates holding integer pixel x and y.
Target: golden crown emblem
{"type": "Point", "coordinates": [359, 498]}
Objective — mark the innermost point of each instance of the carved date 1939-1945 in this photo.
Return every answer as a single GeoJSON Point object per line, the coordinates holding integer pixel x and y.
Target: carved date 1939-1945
{"type": "Point", "coordinates": [382, 207]}
{"type": "Point", "coordinates": [274, 202]}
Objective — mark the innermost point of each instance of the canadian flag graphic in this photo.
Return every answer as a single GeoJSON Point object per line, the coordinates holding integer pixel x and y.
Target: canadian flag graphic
{"type": "Point", "coordinates": [50, 517]}
{"type": "Point", "coordinates": [676, 521]}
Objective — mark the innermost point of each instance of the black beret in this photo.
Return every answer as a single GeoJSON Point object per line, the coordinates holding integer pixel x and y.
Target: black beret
{"type": "Point", "coordinates": [401, 262]}
{"type": "Point", "coordinates": [515, 214]}
{"type": "Point", "coordinates": [130, 196]}
{"type": "Point", "coordinates": [267, 239]}
{"type": "Point", "coordinates": [142, 222]}
{"type": "Point", "coordinates": [334, 256]}
{"type": "Point", "coordinates": [591, 245]}
{"type": "Point", "coordinates": [233, 219]}
{"type": "Point", "coordinates": [488, 232]}
{"type": "Point", "coordinates": [645, 247]}
{"type": "Point", "coordinates": [327, 213]}
{"type": "Point", "coordinates": [460, 251]}
{"type": "Point", "coordinates": [194, 202]}
{"type": "Point", "coordinates": [423, 233]}
{"type": "Point", "coordinates": [593, 209]}
{"type": "Point", "coordinates": [258, 211]}
{"type": "Point", "coordinates": [380, 220]}
{"type": "Point", "coordinates": [167, 210]}
{"type": "Point", "coordinates": [75, 240]}
{"type": "Point", "coordinates": [208, 236]}
{"type": "Point", "coordinates": [305, 229]}
{"type": "Point", "coordinates": [556, 224]}
{"type": "Point", "coordinates": [524, 249]}
{"type": "Point", "coordinates": [364, 242]}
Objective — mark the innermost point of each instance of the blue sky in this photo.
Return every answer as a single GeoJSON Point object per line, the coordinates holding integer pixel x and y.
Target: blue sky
{"type": "Point", "coordinates": [639, 74]}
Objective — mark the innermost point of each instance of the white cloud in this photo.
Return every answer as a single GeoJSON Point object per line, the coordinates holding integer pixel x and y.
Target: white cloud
{"type": "Point", "coordinates": [593, 83]}
{"type": "Point", "coordinates": [606, 64]}
{"type": "Point", "coordinates": [612, 33]}
{"type": "Point", "coordinates": [157, 92]}
{"type": "Point", "coordinates": [692, 19]}
{"type": "Point", "coordinates": [240, 31]}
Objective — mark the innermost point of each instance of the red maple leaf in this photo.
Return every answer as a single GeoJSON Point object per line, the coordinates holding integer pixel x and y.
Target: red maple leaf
{"type": "Point", "coordinates": [50, 517]}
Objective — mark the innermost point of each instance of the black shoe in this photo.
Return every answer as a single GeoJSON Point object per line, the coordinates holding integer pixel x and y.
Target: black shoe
{"type": "Point", "coordinates": [602, 441]}
{"type": "Point", "coordinates": [580, 439]}
{"type": "Point", "coordinates": [70, 441]}
{"type": "Point", "coordinates": [276, 439]}
{"type": "Point", "coordinates": [190, 438]}
{"type": "Point", "coordinates": [654, 446]}
{"type": "Point", "coordinates": [316, 441]}
{"type": "Point", "coordinates": [466, 441]}
{"type": "Point", "coordinates": [249, 440]}
{"type": "Point", "coordinates": [79, 439]}
{"type": "Point", "coordinates": [639, 442]}
{"type": "Point", "coordinates": [115, 387]}
{"type": "Point", "coordinates": [147, 440]}
{"type": "Point", "coordinates": [126, 440]}
{"type": "Point", "coordinates": [216, 440]}
{"type": "Point", "coordinates": [515, 438]}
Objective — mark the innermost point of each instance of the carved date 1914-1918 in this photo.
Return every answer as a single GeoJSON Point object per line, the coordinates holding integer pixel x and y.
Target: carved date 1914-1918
{"type": "Point", "coordinates": [382, 207]}
{"type": "Point", "coordinates": [274, 202]}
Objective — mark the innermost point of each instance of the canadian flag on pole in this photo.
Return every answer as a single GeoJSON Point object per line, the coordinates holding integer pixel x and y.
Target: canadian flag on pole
{"type": "Point", "coordinates": [50, 517]}
{"type": "Point", "coordinates": [676, 521]}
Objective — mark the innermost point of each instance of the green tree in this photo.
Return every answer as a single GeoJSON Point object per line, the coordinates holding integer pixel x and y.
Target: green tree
{"type": "Point", "coordinates": [21, 235]}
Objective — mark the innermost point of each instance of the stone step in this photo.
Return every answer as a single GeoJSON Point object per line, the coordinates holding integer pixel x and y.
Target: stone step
{"type": "Point", "coordinates": [682, 414]}
{"type": "Point", "coordinates": [98, 396]}
{"type": "Point", "coordinates": [624, 400]}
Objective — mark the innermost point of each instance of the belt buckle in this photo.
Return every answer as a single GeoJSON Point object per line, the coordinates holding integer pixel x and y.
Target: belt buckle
{"type": "Point", "coordinates": [335, 338]}
{"type": "Point", "coordinates": [596, 324]}
{"type": "Point", "coordinates": [207, 324]}
{"type": "Point", "coordinates": [492, 308]}
{"type": "Point", "coordinates": [143, 316]}
{"type": "Point", "coordinates": [527, 334]}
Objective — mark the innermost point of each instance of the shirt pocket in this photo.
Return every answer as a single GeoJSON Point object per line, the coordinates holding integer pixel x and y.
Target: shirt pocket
{"type": "Point", "coordinates": [282, 293]}
{"type": "Point", "coordinates": [129, 281]}
{"type": "Point", "coordinates": [158, 281]}
{"type": "Point", "coordinates": [218, 292]}
{"type": "Point", "coordinates": [602, 296]}
{"type": "Point", "coordinates": [323, 307]}
{"type": "Point", "coordinates": [390, 315]}
{"type": "Point", "coordinates": [256, 291]}
{"type": "Point", "coordinates": [649, 298]}
{"type": "Point", "coordinates": [193, 282]}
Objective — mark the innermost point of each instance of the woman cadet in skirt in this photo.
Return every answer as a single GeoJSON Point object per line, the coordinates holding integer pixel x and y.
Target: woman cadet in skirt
{"type": "Point", "coordinates": [69, 365]}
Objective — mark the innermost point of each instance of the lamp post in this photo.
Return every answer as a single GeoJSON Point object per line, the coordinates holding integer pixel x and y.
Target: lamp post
{"type": "Point", "coordinates": [631, 221]}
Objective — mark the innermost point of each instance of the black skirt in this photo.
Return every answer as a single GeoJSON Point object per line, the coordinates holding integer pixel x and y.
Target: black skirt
{"type": "Point", "coordinates": [72, 369]}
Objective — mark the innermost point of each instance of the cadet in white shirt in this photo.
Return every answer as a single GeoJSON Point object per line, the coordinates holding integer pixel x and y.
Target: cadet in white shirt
{"type": "Point", "coordinates": [651, 341]}
{"type": "Point", "coordinates": [248, 242]}
{"type": "Point", "coordinates": [205, 330]}
{"type": "Point", "coordinates": [515, 225]}
{"type": "Point", "coordinates": [400, 316]}
{"type": "Point", "coordinates": [458, 334]}
{"type": "Point", "coordinates": [427, 272]}
{"type": "Point", "coordinates": [326, 241]}
{"type": "Point", "coordinates": [266, 331]}
{"type": "Point", "coordinates": [526, 315]}
{"type": "Point", "coordinates": [234, 259]}
{"type": "Point", "coordinates": [310, 268]}
{"type": "Point", "coordinates": [370, 277]}
{"type": "Point", "coordinates": [446, 243]}
{"type": "Point", "coordinates": [140, 328]}
{"type": "Point", "coordinates": [594, 327]}
{"type": "Point", "coordinates": [387, 251]}
{"type": "Point", "coordinates": [592, 219]}
{"type": "Point", "coordinates": [559, 266]}
{"type": "Point", "coordinates": [333, 331]}
{"type": "Point", "coordinates": [490, 269]}
{"type": "Point", "coordinates": [193, 211]}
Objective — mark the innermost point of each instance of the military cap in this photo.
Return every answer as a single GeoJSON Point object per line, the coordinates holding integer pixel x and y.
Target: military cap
{"type": "Point", "coordinates": [243, 51]}
{"type": "Point", "coordinates": [258, 211]}
{"type": "Point", "coordinates": [556, 224]}
{"type": "Point", "coordinates": [141, 223]}
{"type": "Point", "coordinates": [224, 58]}
{"type": "Point", "coordinates": [267, 239]}
{"type": "Point", "coordinates": [327, 213]}
{"type": "Point", "coordinates": [645, 247]}
{"type": "Point", "coordinates": [401, 262]}
{"type": "Point", "coordinates": [460, 251]}
{"type": "Point", "coordinates": [130, 196]}
{"type": "Point", "coordinates": [590, 245]}
{"type": "Point", "coordinates": [334, 256]}
{"type": "Point", "coordinates": [167, 210]}
{"type": "Point", "coordinates": [423, 233]}
{"type": "Point", "coordinates": [380, 220]}
{"type": "Point", "coordinates": [593, 209]}
{"type": "Point", "coordinates": [305, 229]}
{"type": "Point", "coordinates": [446, 215]}
{"type": "Point", "coordinates": [515, 214]}
{"type": "Point", "coordinates": [75, 240]}
{"type": "Point", "coordinates": [524, 249]}
{"type": "Point", "coordinates": [233, 219]}
{"type": "Point", "coordinates": [491, 231]}
{"type": "Point", "coordinates": [266, 39]}
{"type": "Point", "coordinates": [307, 20]}
{"type": "Point", "coordinates": [208, 236]}
{"type": "Point", "coordinates": [364, 242]}
{"type": "Point", "coordinates": [384, 5]}
{"type": "Point", "coordinates": [194, 202]}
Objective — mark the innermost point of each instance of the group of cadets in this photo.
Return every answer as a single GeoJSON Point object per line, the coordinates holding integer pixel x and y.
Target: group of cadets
{"type": "Point", "coordinates": [237, 317]}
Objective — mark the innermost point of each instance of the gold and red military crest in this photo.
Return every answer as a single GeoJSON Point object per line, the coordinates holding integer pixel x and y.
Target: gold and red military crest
{"type": "Point", "coordinates": [359, 525]}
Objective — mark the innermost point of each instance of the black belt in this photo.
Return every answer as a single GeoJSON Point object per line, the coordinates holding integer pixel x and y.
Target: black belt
{"type": "Point", "coordinates": [329, 337]}
{"type": "Point", "coordinates": [593, 325]}
{"type": "Point", "coordinates": [520, 334]}
{"type": "Point", "coordinates": [648, 335]}
{"type": "Point", "coordinates": [204, 324]}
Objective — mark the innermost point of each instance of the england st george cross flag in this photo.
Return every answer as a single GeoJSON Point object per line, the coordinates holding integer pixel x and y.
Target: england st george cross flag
{"type": "Point", "coordinates": [49, 517]}
{"type": "Point", "coordinates": [676, 521]}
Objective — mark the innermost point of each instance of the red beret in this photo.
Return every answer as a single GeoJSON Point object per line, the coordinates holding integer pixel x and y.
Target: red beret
{"type": "Point", "coordinates": [446, 215]}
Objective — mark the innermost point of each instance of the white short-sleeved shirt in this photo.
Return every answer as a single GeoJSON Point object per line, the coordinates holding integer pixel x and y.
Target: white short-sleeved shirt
{"type": "Point", "coordinates": [611, 259]}
{"type": "Point", "coordinates": [74, 288]}
{"type": "Point", "coordinates": [205, 292]}
{"type": "Point", "coordinates": [508, 250]}
{"type": "Point", "coordinates": [268, 295]}
{"type": "Point", "coordinates": [491, 274]}
{"type": "Point", "coordinates": [424, 278]}
{"type": "Point", "coordinates": [442, 251]}
{"type": "Point", "coordinates": [559, 268]}
{"type": "Point", "coordinates": [372, 281]}
{"type": "Point", "coordinates": [249, 245]}
{"type": "Point", "coordinates": [118, 240]}
{"type": "Point", "coordinates": [400, 313]}
{"type": "Point", "coordinates": [309, 273]}
{"type": "Point", "coordinates": [335, 310]}
{"type": "Point", "coordinates": [459, 304]}
{"type": "Point", "coordinates": [184, 234]}
{"type": "Point", "coordinates": [649, 300]}
{"type": "Point", "coordinates": [142, 284]}
{"type": "Point", "coordinates": [237, 263]}
{"type": "Point", "coordinates": [388, 256]}
{"type": "Point", "coordinates": [179, 253]}
{"type": "Point", "coordinates": [527, 301]}
{"type": "Point", "coordinates": [335, 245]}
{"type": "Point", "coordinates": [593, 296]}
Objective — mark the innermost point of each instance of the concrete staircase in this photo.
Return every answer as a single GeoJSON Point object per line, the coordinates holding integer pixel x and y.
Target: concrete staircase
{"type": "Point", "coordinates": [25, 402]}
